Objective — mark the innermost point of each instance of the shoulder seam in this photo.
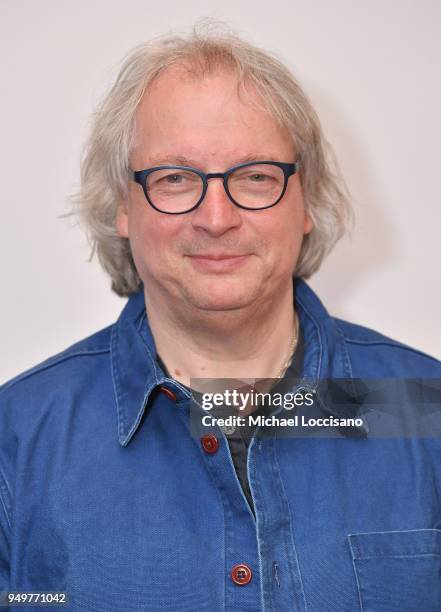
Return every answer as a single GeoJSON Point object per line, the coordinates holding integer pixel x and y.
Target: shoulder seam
{"type": "Point", "coordinates": [51, 363]}
{"type": "Point", "coordinates": [392, 344]}
{"type": "Point", "coordinates": [380, 340]}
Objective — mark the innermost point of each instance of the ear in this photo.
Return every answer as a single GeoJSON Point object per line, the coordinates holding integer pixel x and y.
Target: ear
{"type": "Point", "coordinates": [122, 220]}
{"type": "Point", "coordinates": [307, 223]}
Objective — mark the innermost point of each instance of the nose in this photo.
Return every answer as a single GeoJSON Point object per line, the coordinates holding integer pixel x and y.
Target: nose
{"type": "Point", "coordinates": [216, 215]}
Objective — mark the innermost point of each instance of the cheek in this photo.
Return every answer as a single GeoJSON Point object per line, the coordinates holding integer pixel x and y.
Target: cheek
{"type": "Point", "coordinates": [151, 240]}
{"type": "Point", "coordinates": [286, 239]}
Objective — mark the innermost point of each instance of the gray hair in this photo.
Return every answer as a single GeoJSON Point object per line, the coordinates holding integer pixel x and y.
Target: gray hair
{"type": "Point", "coordinates": [105, 163]}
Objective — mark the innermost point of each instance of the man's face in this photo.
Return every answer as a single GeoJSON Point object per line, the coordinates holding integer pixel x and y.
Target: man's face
{"type": "Point", "coordinates": [217, 257]}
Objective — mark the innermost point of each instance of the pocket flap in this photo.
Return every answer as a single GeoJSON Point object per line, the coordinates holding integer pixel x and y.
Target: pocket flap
{"type": "Point", "coordinates": [410, 543]}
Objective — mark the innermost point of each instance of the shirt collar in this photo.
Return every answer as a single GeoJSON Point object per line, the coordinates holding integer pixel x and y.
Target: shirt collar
{"type": "Point", "coordinates": [136, 374]}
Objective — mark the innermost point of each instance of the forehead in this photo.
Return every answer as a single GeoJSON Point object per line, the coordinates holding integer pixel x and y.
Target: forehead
{"type": "Point", "coordinates": [208, 117]}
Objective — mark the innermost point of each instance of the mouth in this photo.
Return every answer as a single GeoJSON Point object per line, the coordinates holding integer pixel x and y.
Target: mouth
{"type": "Point", "coordinates": [218, 262]}
{"type": "Point", "coordinates": [217, 256]}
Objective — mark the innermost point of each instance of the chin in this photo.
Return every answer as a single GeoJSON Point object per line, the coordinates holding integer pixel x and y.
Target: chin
{"type": "Point", "coordinates": [220, 297]}
{"type": "Point", "coordinates": [221, 304]}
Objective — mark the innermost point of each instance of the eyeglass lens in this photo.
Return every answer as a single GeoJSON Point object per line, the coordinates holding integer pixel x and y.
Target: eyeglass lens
{"type": "Point", "coordinates": [177, 190]}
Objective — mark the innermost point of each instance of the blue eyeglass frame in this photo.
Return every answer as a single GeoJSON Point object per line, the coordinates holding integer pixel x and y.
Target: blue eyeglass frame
{"type": "Point", "coordinates": [140, 177]}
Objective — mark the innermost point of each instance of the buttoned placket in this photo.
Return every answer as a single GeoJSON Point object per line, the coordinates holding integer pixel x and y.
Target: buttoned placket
{"type": "Point", "coordinates": [260, 565]}
{"type": "Point", "coordinates": [262, 540]}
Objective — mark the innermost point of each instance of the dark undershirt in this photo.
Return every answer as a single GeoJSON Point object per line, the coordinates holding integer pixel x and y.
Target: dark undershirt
{"type": "Point", "coordinates": [240, 439]}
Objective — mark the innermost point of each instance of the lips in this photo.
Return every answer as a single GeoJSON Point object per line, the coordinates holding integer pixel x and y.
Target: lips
{"type": "Point", "coordinates": [218, 256]}
{"type": "Point", "coordinates": [217, 262]}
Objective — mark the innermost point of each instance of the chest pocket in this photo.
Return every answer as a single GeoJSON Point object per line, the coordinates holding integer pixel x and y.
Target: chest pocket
{"type": "Point", "coordinates": [398, 571]}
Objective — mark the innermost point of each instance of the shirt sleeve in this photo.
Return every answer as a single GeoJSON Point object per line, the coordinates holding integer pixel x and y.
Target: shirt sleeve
{"type": "Point", "coordinates": [4, 548]}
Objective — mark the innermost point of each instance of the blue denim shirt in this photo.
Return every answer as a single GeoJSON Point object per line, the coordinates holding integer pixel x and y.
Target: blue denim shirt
{"type": "Point", "coordinates": [106, 495]}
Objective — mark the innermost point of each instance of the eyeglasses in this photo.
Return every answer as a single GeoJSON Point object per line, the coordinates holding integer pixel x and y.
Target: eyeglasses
{"type": "Point", "coordinates": [176, 190]}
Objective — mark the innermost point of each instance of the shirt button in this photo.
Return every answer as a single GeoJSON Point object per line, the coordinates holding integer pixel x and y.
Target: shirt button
{"type": "Point", "coordinates": [241, 574]}
{"type": "Point", "coordinates": [228, 429]}
{"type": "Point", "coordinates": [210, 444]}
{"type": "Point", "coordinates": [168, 393]}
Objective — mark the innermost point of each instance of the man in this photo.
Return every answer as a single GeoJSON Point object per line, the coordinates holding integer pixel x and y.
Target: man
{"type": "Point", "coordinates": [208, 194]}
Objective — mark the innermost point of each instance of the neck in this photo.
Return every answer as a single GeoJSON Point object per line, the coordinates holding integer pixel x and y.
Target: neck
{"type": "Point", "coordinates": [248, 343]}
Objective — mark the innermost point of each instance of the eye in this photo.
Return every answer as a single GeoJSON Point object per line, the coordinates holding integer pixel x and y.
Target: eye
{"type": "Point", "coordinates": [161, 179]}
{"type": "Point", "coordinates": [257, 175]}
{"type": "Point", "coordinates": [174, 179]}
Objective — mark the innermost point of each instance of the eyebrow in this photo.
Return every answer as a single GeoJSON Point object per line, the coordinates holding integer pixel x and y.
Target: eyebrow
{"type": "Point", "coordinates": [178, 160]}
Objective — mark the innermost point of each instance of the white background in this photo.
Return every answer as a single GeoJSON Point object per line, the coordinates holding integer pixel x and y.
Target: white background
{"type": "Point", "coordinates": [372, 70]}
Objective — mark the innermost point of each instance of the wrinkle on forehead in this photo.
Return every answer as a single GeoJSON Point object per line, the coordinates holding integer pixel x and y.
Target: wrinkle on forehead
{"type": "Point", "coordinates": [171, 78]}
{"type": "Point", "coordinates": [177, 100]}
